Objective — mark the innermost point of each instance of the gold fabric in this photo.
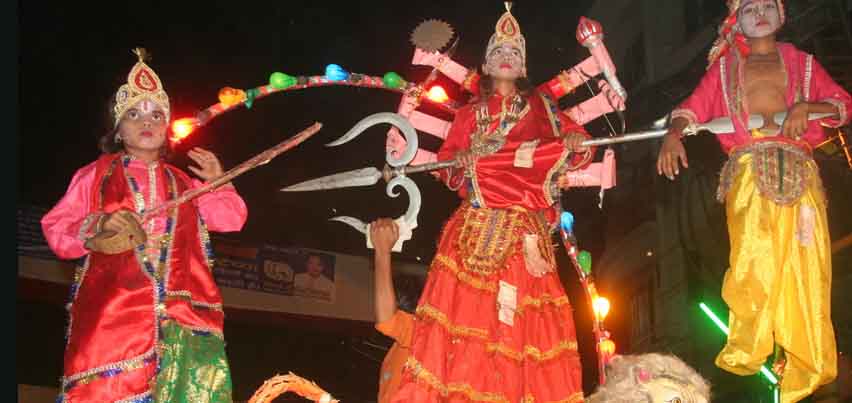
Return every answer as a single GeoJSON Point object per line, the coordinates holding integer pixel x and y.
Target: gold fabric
{"type": "Point", "coordinates": [489, 236]}
{"type": "Point", "coordinates": [193, 368]}
{"type": "Point", "coordinates": [778, 285]}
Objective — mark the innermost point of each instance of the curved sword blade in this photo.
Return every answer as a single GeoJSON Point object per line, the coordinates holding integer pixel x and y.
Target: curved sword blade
{"type": "Point", "coordinates": [358, 177]}
{"type": "Point", "coordinates": [411, 143]}
{"type": "Point", "coordinates": [353, 222]}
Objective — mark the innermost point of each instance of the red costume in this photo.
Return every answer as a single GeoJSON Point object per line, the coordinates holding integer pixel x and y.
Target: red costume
{"type": "Point", "coordinates": [487, 329]}
{"type": "Point", "coordinates": [146, 324]}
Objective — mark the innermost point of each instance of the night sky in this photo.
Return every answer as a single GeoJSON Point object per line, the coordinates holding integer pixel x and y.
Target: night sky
{"type": "Point", "coordinates": [73, 56]}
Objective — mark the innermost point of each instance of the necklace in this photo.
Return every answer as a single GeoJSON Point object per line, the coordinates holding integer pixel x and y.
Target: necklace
{"type": "Point", "coordinates": [512, 110]}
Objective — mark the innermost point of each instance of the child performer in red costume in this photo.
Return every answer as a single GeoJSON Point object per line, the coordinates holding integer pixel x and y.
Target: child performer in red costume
{"type": "Point", "coordinates": [145, 324]}
{"type": "Point", "coordinates": [493, 323]}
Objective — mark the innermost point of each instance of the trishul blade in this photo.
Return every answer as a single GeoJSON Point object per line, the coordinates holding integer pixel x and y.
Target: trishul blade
{"type": "Point", "coordinates": [358, 177]}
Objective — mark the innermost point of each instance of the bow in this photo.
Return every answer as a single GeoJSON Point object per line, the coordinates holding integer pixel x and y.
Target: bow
{"type": "Point", "coordinates": [607, 88]}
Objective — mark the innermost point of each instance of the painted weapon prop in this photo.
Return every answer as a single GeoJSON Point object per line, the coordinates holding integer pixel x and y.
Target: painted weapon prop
{"type": "Point", "coordinates": [715, 126]}
{"type": "Point", "coordinates": [133, 236]}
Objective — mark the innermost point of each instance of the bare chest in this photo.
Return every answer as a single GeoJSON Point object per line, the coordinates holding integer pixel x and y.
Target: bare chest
{"type": "Point", "coordinates": [765, 85]}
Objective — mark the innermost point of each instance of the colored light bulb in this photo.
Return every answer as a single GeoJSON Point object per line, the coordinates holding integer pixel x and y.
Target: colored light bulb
{"type": "Point", "coordinates": [182, 128]}
{"type": "Point", "coordinates": [601, 307]}
{"type": "Point", "coordinates": [334, 72]}
{"type": "Point", "coordinates": [437, 94]}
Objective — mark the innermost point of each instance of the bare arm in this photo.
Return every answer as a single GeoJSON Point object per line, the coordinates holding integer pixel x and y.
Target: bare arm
{"type": "Point", "coordinates": [384, 233]}
{"type": "Point", "coordinates": [796, 123]}
{"type": "Point", "coordinates": [672, 150]}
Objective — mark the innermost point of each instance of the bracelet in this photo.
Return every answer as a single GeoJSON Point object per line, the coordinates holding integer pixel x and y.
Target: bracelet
{"type": "Point", "coordinates": [99, 225]}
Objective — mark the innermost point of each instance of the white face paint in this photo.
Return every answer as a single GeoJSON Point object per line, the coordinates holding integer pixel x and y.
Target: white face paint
{"type": "Point", "coordinates": [146, 106]}
{"type": "Point", "coordinates": [505, 62]}
{"type": "Point", "coordinates": [759, 18]}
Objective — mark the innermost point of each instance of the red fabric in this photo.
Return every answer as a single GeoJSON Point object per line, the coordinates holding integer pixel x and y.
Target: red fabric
{"type": "Point", "coordinates": [114, 312]}
{"type": "Point", "coordinates": [461, 352]}
{"type": "Point", "coordinates": [501, 183]}
{"type": "Point", "coordinates": [223, 210]}
{"type": "Point", "coordinates": [709, 100]}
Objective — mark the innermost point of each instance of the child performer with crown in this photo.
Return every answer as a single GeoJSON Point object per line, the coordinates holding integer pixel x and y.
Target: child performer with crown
{"type": "Point", "coordinates": [778, 284]}
{"type": "Point", "coordinates": [493, 323]}
{"type": "Point", "coordinates": [145, 324]}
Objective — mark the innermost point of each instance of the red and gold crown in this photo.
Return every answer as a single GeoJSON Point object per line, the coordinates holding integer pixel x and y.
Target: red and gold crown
{"type": "Point", "coordinates": [507, 30]}
{"type": "Point", "coordinates": [142, 83]}
{"type": "Point", "coordinates": [730, 36]}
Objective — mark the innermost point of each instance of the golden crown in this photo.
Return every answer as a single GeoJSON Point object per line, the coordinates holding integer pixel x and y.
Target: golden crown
{"type": "Point", "coordinates": [507, 30]}
{"type": "Point", "coordinates": [142, 83]}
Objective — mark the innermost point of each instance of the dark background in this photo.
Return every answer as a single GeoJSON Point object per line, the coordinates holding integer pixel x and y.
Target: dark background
{"type": "Point", "coordinates": [73, 56]}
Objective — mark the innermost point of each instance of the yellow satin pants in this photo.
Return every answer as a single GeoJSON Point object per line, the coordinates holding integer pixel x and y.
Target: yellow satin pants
{"type": "Point", "coordinates": [778, 285]}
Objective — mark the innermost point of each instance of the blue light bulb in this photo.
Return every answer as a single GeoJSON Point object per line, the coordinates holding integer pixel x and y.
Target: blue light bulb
{"type": "Point", "coordinates": [566, 221]}
{"type": "Point", "coordinates": [335, 73]}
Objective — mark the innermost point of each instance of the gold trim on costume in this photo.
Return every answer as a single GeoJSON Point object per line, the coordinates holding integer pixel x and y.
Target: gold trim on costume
{"type": "Point", "coordinates": [781, 171]}
{"type": "Point", "coordinates": [545, 299]}
{"type": "Point", "coordinates": [528, 351]}
{"type": "Point", "coordinates": [575, 398]}
{"type": "Point", "coordinates": [187, 296]}
{"type": "Point", "coordinates": [489, 236]}
{"type": "Point", "coordinates": [424, 375]}
{"type": "Point", "coordinates": [439, 317]}
{"type": "Point", "coordinates": [445, 262]}
{"type": "Point", "coordinates": [532, 351]}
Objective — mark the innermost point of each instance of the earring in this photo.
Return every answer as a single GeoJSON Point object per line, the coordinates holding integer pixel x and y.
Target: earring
{"type": "Point", "coordinates": [118, 138]}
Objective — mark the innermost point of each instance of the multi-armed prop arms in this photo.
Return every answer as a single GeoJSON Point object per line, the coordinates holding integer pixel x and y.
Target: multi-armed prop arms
{"type": "Point", "coordinates": [610, 98]}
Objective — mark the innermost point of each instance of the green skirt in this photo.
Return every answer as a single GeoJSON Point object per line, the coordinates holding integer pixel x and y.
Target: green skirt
{"type": "Point", "coordinates": [193, 368]}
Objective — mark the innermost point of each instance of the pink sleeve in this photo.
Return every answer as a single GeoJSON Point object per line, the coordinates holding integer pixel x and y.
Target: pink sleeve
{"type": "Point", "coordinates": [223, 210]}
{"type": "Point", "coordinates": [707, 101]}
{"type": "Point", "coordinates": [68, 224]}
{"type": "Point", "coordinates": [824, 89]}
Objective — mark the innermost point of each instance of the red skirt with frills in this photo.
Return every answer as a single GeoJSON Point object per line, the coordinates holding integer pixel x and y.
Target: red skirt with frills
{"type": "Point", "coordinates": [486, 330]}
